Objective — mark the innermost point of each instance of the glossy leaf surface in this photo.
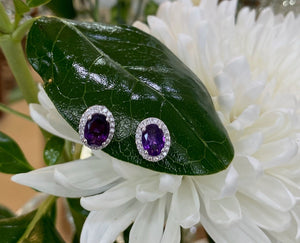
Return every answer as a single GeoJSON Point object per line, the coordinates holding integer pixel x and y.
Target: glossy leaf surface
{"type": "Point", "coordinates": [53, 150]}
{"type": "Point", "coordinates": [12, 160]}
{"type": "Point", "coordinates": [135, 77]}
{"type": "Point", "coordinates": [5, 212]}
{"type": "Point", "coordinates": [12, 229]}
{"type": "Point", "coordinates": [63, 8]}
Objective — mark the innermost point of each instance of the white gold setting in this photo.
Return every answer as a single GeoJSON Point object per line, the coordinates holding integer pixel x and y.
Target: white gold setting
{"type": "Point", "coordinates": [138, 139]}
{"type": "Point", "coordinates": [87, 115]}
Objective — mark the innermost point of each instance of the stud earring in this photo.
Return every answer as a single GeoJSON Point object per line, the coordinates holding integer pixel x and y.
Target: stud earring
{"type": "Point", "coordinates": [96, 127]}
{"type": "Point", "coordinates": [153, 139]}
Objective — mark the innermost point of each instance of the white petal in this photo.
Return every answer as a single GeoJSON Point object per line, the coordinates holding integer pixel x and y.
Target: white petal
{"type": "Point", "coordinates": [236, 68]}
{"type": "Point", "coordinates": [219, 185]}
{"type": "Point", "coordinates": [114, 197]}
{"type": "Point", "coordinates": [169, 183]}
{"type": "Point", "coordinates": [225, 212]}
{"type": "Point", "coordinates": [226, 97]}
{"type": "Point", "coordinates": [244, 231]}
{"type": "Point", "coordinates": [273, 125]}
{"type": "Point", "coordinates": [104, 226]}
{"type": "Point", "coordinates": [140, 25]}
{"type": "Point", "coordinates": [277, 153]}
{"type": "Point", "coordinates": [246, 119]}
{"type": "Point", "coordinates": [226, 101]}
{"type": "Point", "coordinates": [292, 234]}
{"type": "Point", "coordinates": [52, 122]}
{"type": "Point", "coordinates": [246, 18]}
{"type": "Point", "coordinates": [248, 145]}
{"type": "Point", "coordinates": [172, 228]}
{"type": "Point", "coordinates": [130, 171]}
{"type": "Point", "coordinates": [148, 226]}
{"type": "Point", "coordinates": [186, 204]}
{"type": "Point", "coordinates": [44, 99]}
{"type": "Point", "coordinates": [39, 115]}
{"type": "Point", "coordinates": [62, 127]}
{"type": "Point", "coordinates": [289, 182]}
{"type": "Point", "coordinates": [248, 169]}
{"type": "Point", "coordinates": [271, 192]}
{"type": "Point", "coordinates": [148, 190]}
{"type": "Point", "coordinates": [223, 83]}
{"type": "Point", "coordinates": [264, 216]}
{"type": "Point", "coordinates": [160, 30]}
{"type": "Point", "coordinates": [185, 50]}
{"type": "Point", "coordinates": [73, 179]}
{"type": "Point", "coordinates": [296, 215]}
{"type": "Point", "coordinates": [102, 155]}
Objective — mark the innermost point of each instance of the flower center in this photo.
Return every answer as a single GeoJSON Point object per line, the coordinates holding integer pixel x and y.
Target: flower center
{"type": "Point", "coordinates": [153, 139]}
{"type": "Point", "coordinates": [96, 130]}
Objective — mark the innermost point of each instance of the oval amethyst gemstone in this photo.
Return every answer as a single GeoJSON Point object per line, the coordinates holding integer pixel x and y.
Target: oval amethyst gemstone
{"type": "Point", "coordinates": [153, 139]}
{"type": "Point", "coordinates": [96, 130]}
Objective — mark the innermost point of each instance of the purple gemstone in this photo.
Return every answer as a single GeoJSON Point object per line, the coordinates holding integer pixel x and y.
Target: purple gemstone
{"type": "Point", "coordinates": [96, 130]}
{"type": "Point", "coordinates": [153, 139]}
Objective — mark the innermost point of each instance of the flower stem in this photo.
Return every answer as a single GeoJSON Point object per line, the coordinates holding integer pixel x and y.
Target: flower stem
{"type": "Point", "coordinates": [14, 112]}
{"type": "Point", "coordinates": [5, 24]}
{"type": "Point", "coordinates": [42, 210]}
{"type": "Point", "coordinates": [72, 151]}
{"type": "Point", "coordinates": [21, 30]}
{"type": "Point", "coordinates": [15, 57]}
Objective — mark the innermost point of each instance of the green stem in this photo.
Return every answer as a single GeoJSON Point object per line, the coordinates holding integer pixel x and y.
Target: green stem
{"type": "Point", "coordinates": [14, 112]}
{"type": "Point", "coordinates": [15, 57]}
{"type": "Point", "coordinates": [68, 151]}
{"type": "Point", "coordinates": [18, 18]}
{"type": "Point", "coordinates": [72, 151]}
{"type": "Point", "coordinates": [77, 151]}
{"type": "Point", "coordinates": [21, 30]}
{"type": "Point", "coordinates": [5, 24]}
{"type": "Point", "coordinates": [42, 210]}
{"type": "Point", "coordinates": [96, 11]}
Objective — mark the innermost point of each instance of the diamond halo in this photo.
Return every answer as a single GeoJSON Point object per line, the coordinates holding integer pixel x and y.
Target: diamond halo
{"type": "Point", "coordinates": [87, 116]}
{"type": "Point", "coordinates": [139, 136]}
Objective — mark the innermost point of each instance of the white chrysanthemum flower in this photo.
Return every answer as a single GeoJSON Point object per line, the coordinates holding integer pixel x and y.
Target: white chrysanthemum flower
{"type": "Point", "coordinates": [251, 68]}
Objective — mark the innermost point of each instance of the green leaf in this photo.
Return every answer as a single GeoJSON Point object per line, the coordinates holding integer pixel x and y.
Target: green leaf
{"type": "Point", "coordinates": [120, 12]}
{"type": "Point", "coordinates": [53, 150]}
{"type": "Point", "coordinates": [12, 229]}
{"type": "Point", "coordinates": [79, 215]}
{"type": "Point", "coordinates": [12, 160]}
{"type": "Point", "coordinates": [36, 3]}
{"type": "Point", "coordinates": [135, 77]}
{"type": "Point", "coordinates": [21, 7]}
{"type": "Point", "coordinates": [6, 27]}
{"type": "Point", "coordinates": [151, 8]}
{"type": "Point", "coordinates": [5, 212]}
{"type": "Point", "coordinates": [126, 234]}
{"type": "Point", "coordinates": [63, 8]}
{"type": "Point", "coordinates": [210, 240]}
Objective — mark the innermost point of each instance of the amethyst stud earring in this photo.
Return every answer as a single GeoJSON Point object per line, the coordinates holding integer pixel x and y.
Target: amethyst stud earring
{"type": "Point", "coordinates": [153, 139]}
{"type": "Point", "coordinates": [96, 127]}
